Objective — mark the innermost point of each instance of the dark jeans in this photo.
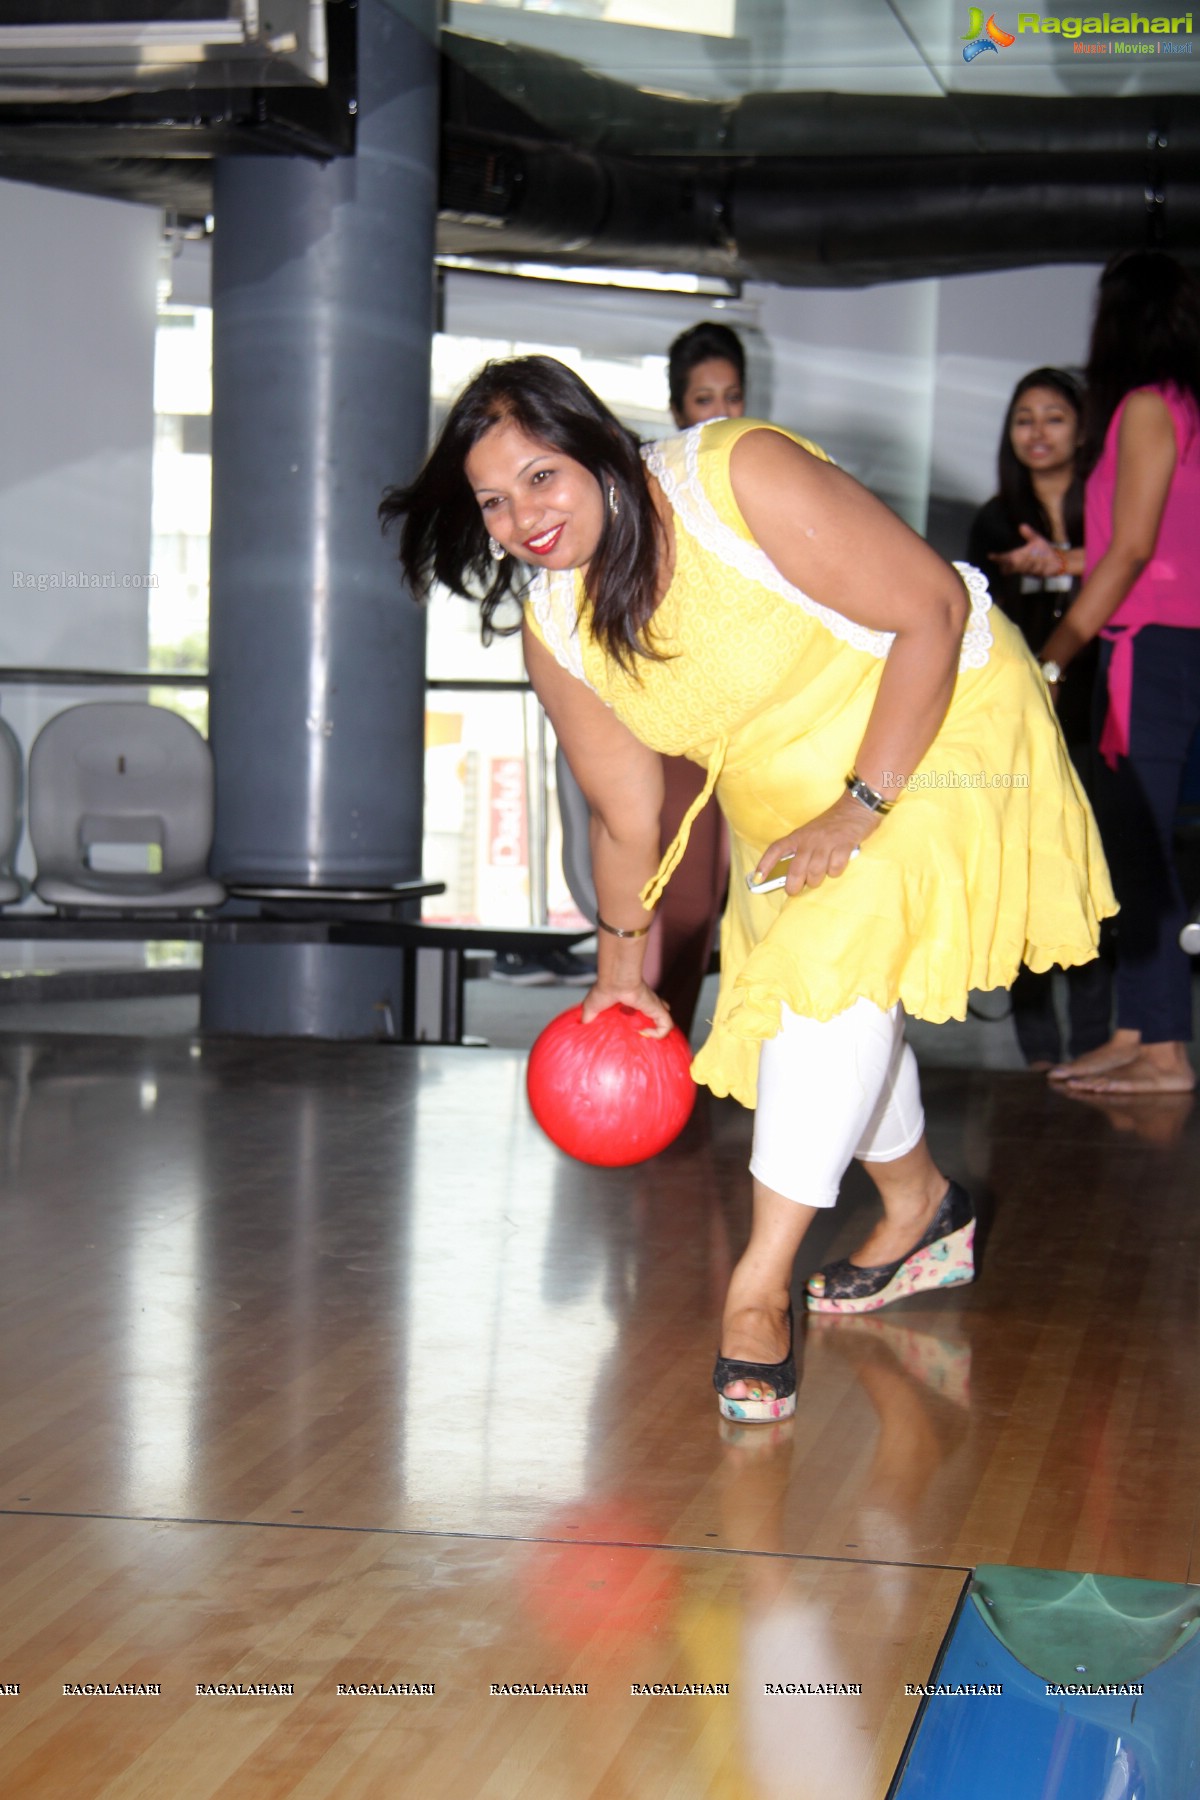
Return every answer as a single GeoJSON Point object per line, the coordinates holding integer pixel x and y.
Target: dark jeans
{"type": "Point", "coordinates": [1089, 1011]}
{"type": "Point", "coordinates": [1137, 803]}
{"type": "Point", "coordinates": [1089, 986]}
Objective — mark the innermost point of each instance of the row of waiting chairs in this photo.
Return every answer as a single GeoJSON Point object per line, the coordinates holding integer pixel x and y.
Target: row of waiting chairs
{"type": "Point", "coordinates": [112, 773]}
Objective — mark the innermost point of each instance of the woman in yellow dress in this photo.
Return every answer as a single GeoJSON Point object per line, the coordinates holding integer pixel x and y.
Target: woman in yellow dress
{"type": "Point", "coordinates": [868, 723]}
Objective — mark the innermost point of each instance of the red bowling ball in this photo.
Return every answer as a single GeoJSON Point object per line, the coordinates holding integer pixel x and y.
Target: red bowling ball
{"type": "Point", "coordinates": [605, 1094]}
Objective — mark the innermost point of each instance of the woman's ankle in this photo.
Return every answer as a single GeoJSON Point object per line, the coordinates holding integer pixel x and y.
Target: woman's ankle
{"type": "Point", "coordinates": [772, 1298]}
{"type": "Point", "coordinates": [1170, 1054]}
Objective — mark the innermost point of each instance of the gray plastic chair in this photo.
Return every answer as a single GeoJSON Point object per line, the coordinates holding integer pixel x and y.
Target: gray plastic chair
{"type": "Point", "coordinates": [11, 885]}
{"type": "Point", "coordinates": [122, 772]}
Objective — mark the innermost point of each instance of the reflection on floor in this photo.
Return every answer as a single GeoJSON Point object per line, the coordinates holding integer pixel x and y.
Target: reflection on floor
{"type": "Point", "coordinates": [324, 1367]}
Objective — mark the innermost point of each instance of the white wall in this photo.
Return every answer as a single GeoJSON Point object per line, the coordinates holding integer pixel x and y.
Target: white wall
{"type": "Point", "coordinates": [851, 369]}
{"type": "Point", "coordinates": [77, 316]}
{"type": "Point", "coordinates": [77, 309]}
{"type": "Point", "coordinates": [907, 383]}
{"type": "Point", "coordinates": [992, 329]}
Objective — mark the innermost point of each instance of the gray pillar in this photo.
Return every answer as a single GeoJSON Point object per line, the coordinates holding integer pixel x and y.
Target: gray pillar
{"type": "Point", "coordinates": [322, 323]}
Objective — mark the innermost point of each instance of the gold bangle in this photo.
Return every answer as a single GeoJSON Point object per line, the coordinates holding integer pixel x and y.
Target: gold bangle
{"type": "Point", "coordinates": [618, 931]}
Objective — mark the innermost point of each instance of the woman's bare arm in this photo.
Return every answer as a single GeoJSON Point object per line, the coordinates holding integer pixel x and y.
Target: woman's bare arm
{"type": "Point", "coordinates": [623, 784]}
{"type": "Point", "coordinates": [843, 548]}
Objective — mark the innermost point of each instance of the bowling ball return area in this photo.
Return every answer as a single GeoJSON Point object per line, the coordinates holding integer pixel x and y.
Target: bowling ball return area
{"type": "Point", "coordinates": [604, 1092]}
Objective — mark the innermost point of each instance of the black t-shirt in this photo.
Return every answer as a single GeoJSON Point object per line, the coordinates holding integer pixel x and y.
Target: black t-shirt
{"type": "Point", "coordinates": [1035, 605]}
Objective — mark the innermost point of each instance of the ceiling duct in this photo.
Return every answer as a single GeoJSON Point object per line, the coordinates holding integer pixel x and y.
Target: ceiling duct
{"type": "Point", "coordinates": [513, 198]}
{"type": "Point", "coordinates": [546, 160]}
{"type": "Point", "coordinates": [803, 189]}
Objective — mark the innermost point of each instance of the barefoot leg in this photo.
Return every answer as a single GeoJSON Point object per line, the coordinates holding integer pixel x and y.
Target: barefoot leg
{"type": "Point", "coordinates": [1153, 1069]}
{"type": "Point", "coordinates": [1120, 1049]}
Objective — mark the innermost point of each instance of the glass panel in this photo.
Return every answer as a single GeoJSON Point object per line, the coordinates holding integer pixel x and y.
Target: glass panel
{"type": "Point", "coordinates": [179, 556]}
{"type": "Point", "coordinates": [677, 50]}
{"type": "Point", "coordinates": [708, 18]}
{"type": "Point", "coordinates": [489, 791]}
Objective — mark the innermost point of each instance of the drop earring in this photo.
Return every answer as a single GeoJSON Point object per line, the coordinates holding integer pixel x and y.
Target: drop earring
{"type": "Point", "coordinates": [614, 502]}
{"type": "Point", "coordinates": [496, 551]}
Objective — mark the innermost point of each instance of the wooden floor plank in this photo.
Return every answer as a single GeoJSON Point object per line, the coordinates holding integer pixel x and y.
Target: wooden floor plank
{"type": "Point", "coordinates": [182, 1606]}
{"type": "Point", "coordinates": [294, 1286]}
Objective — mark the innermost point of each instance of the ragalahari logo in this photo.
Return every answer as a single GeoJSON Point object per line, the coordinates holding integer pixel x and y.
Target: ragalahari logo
{"type": "Point", "coordinates": [984, 37]}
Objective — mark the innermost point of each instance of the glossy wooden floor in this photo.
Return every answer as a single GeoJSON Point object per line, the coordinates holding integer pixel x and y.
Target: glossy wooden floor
{"type": "Point", "coordinates": [321, 1367]}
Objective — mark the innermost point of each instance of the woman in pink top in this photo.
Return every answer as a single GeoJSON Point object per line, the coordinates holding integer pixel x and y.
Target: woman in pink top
{"type": "Point", "coordinates": [1141, 594]}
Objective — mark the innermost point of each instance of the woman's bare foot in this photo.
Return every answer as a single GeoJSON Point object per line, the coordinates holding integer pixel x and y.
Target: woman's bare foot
{"type": "Point", "coordinates": [1120, 1049]}
{"type": "Point", "coordinates": [1153, 1069]}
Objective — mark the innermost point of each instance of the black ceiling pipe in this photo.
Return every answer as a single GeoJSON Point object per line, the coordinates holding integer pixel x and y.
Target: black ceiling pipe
{"type": "Point", "coordinates": [805, 188]}
{"type": "Point", "coordinates": [816, 221]}
{"type": "Point", "coordinates": [813, 220]}
{"type": "Point", "coordinates": [857, 125]}
{"type": "Point", "coordinates": [517, 199]}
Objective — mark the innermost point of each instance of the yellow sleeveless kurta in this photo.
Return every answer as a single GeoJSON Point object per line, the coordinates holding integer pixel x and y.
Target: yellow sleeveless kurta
{"type": "Point", "coordinates": [991, 858]}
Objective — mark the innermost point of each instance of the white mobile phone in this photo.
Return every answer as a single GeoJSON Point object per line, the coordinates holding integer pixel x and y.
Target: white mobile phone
{"type": "Point", "coordinates": [777, 881]}
{"type": "Point", "coordinates": [767, 887]}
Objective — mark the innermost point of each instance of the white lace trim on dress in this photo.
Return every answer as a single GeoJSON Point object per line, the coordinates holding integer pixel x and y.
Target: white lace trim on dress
{"type": "Point", "coordinates": [977, 638]}
{"type": "Point", "coordinates": [675, 465]}
{"type": "Point", "coordinates": [550, 596]}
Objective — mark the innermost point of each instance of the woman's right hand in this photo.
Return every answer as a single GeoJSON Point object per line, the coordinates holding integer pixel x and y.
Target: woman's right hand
{"type": "Point", "coordinates": [599, 998]}
{"type": "Point", "coordinates": [1036, 556]}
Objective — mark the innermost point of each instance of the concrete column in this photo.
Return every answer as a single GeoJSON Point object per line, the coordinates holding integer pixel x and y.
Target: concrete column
{"type": "Point", "coordinates": [322, 323]}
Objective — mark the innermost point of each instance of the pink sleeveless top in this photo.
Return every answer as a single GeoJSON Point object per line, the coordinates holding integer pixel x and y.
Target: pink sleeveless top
{"type": "Point", "coordinates": [1167, 592]}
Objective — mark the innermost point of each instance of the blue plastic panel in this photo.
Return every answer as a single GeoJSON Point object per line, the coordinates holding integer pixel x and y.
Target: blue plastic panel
{"type": "Point", "coordinates": [1026, 1743]}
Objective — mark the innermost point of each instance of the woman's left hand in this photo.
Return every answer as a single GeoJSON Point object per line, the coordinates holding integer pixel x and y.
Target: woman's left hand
{"type": "Point", "coordinates": [823, 847]}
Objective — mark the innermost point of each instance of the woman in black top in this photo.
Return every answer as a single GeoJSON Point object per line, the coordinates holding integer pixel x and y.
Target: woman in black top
{"type": "Point", "coordinates": [1028, 540]}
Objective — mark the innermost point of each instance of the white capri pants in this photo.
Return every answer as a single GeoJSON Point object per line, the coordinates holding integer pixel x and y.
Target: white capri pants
{"type": "Point", "coordinates": [831, 1090]}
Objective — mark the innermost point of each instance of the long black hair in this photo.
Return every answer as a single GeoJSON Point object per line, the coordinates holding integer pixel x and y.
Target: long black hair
{"type": "Point", "coordinates": [1146, 333]}
{"type": "Point", "coordinates": [443, 537]}
{"type": "Point", "coordinates": [705, 342]}
{"type": "Point", "coordinates": [1017, 492]}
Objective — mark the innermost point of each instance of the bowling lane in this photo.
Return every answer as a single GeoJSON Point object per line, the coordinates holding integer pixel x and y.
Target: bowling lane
{"type": "Point", "coordinates": [334, 1663]}
{"type": "Point", "coordinates": [350, 1287]}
